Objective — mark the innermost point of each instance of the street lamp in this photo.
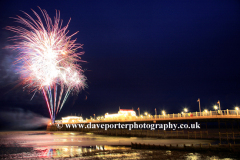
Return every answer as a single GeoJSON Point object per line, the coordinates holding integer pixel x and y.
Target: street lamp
{"type": "Point", "coordinates": [199, 104]}
{"type": "Point", "coordinates": [219, 104]}
{"type": "Point", "coordinates": [236, 108]}
{"type": "Point", "coordinates": [163, 112]}
{"type": "Point", "coordinates": [206, 111]}
{"type": "Point", "coordinates": [146, 113]}
{"type": "Point", "coordinates": [215, 107]}
{"type": "Point", "coordinates": [138, 111]}
{"type": "Point", "coordinates": [185, 110]}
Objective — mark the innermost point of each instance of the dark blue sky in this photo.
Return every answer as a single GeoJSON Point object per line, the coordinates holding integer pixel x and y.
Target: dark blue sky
{"type": "Point", "coordinates": [147, 54]}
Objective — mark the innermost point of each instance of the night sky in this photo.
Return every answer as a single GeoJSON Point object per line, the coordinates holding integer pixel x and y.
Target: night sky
{"type": "Point", "coordinates": [146, 54]}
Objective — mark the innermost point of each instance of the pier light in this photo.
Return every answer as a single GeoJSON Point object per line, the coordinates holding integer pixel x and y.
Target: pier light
{"type": "Point", "coordinates": [185, 110]}
{"type": "Point", "coordinates": [146, 113]}
{"type": "Point", "coordinates": [237, 109]}
{"type": "Point", "coordinates": [215, 107]}
{"type": "Point", "coordinates": [205, 110]}
{"type": "Point", "coordinates": [163, 112]}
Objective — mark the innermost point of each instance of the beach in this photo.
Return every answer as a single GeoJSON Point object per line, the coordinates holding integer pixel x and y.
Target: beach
{"type": "Point", "coordinates": [78, 145]}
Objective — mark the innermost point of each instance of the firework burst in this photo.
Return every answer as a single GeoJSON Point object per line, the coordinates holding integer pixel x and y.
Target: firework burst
{"type": "Point", "coordinates": [49, 59]}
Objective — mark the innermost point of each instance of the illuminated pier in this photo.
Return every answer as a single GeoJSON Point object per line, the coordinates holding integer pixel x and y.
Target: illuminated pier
{"type": "Point", "coordinates": [219, 124]}
{"type": "Point", "coordinates": [130, 116]}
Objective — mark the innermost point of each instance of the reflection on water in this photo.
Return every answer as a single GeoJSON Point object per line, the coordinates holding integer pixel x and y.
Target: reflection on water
{"type": "Point", "coordinates": [73, 151]}
{"type": "Point", "coordinates": [76, 145]}
{"type": "Point", "coordinates": [112, 152]}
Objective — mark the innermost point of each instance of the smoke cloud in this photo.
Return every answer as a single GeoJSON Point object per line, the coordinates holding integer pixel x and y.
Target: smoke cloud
{"type": "Point", "coordinates": [19, 119]}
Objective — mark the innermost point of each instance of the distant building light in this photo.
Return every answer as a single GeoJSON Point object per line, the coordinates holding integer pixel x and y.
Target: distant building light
{"type": "Point", "coordinates": [122, 114]}
{"type": "Point", "coordinates": [71, 119]}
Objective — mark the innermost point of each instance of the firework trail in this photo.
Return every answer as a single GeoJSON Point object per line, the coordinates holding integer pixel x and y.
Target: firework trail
{"type": "Point", "coordinates": [49, 59]}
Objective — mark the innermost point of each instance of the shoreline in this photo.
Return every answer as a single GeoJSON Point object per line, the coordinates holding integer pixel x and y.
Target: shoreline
{"type": "Point", "coordinates": [92, 146]}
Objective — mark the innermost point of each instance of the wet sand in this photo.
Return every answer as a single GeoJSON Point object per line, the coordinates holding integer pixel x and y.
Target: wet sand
{"type": "Point", "coordinates": [76, 145]}
{"type": "Point", "coordinates": [46, 138]}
